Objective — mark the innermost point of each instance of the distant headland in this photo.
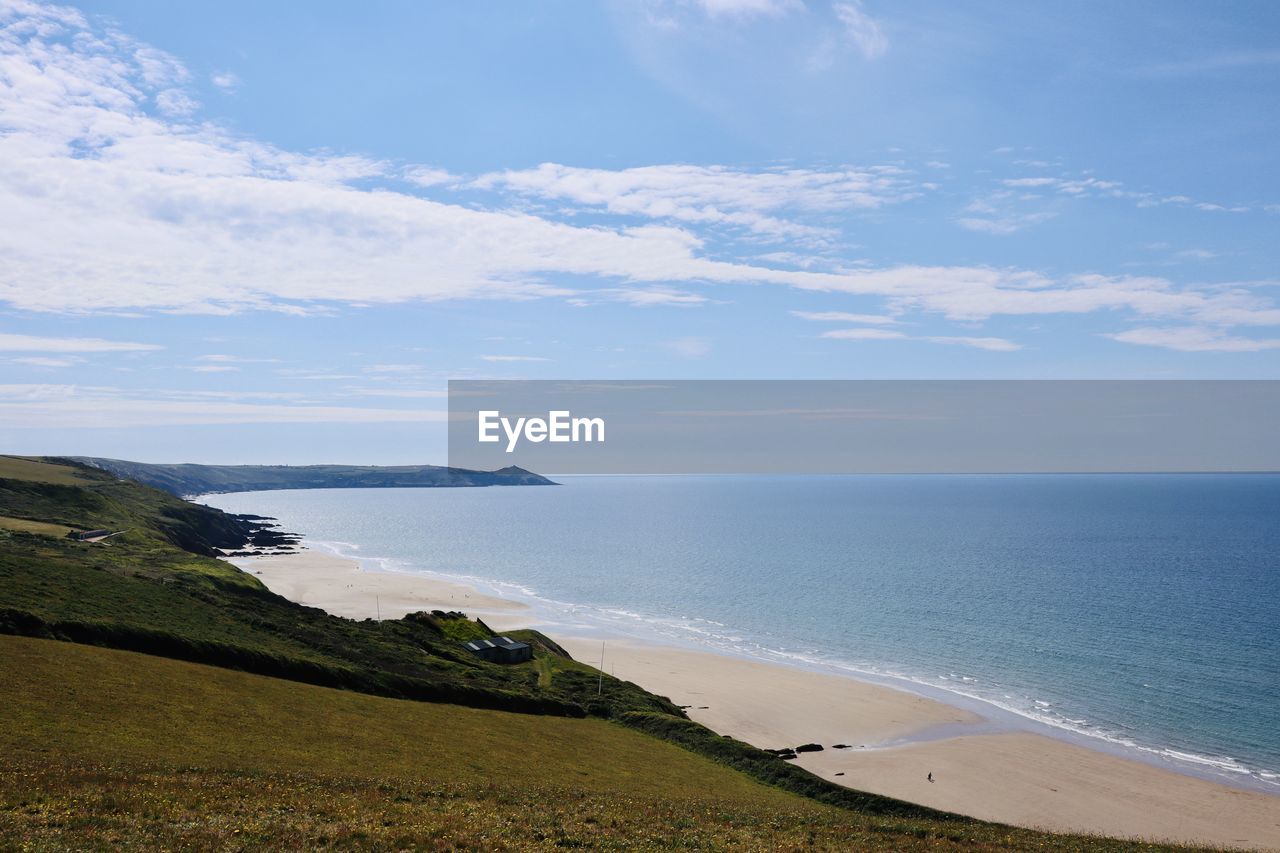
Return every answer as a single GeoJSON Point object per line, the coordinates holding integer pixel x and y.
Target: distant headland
{"type": "Point", "coordinates": [193, 479]}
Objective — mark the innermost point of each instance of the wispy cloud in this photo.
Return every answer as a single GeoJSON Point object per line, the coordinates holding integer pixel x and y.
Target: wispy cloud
{"type": "Point", "coordinates": [650, 296]}
{"type": "Point", "coordinates": [35, 343]}
{"type": "Point", "coordinates": [1194, 339]}
{"type": "Point", "coordinates": [31, 406]}
{"type": "Point", "coordinates": [1090, 186]}
{"type": "Point", "coordinates": [427, 176]}
{"type": "Point", "coordinates": [749, 8]}
{"type": "Point", "coordinates": [513, 358]}
{"type": "Point", "coordinates": [863, 334]}
{"type": "Point", "coordinates": [758, 201]}
{"type": "Point", "coordinates": [1005, 223]}
{"type": "Point", "coordinates": [226, 81]}
{"type": "Point", "coordinates": [405, 393]}
{"type": "Point", "coordinates": [1228, 61]}
{"type": "Point", "coordinates": [862, 29]}
{"type": "Point", "coordinates": [844, 317]}
{"type": "Point", "coordinates": [47, 361]}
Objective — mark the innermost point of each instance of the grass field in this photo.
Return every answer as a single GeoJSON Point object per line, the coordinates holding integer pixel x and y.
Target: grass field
{"type": "Point", "coordinates": [101, 748]}
{"type": "Point", "coordinates": [38, 471]}
{"type": "Point", "coordinates": [22, 525]}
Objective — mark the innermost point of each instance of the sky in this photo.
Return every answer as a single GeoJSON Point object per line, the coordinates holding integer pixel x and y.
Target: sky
{"type": "Point", "coordinates": [248, 232]}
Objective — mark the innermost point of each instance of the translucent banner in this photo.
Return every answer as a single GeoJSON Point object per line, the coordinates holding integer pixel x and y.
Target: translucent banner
{"type": "Point", "coordinates": [829, 427]}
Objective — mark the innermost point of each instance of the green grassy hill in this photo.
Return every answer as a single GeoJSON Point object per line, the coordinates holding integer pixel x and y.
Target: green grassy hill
{"type": "Point", "coordinates": [101, 746]}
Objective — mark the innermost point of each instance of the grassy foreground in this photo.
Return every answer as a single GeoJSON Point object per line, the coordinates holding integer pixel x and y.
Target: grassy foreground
{"type": "Point", "coordinates": [101, 748]}
{"type": "Point", "coordinates": [252, 721]}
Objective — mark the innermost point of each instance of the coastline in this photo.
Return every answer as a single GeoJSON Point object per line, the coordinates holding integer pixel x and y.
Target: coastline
{"type": "Point", "coordinates": [896, 738]}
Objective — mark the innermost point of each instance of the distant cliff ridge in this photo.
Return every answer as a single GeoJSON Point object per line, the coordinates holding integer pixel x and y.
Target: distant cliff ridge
{"type": "Point", "coordinates": [191, 479]}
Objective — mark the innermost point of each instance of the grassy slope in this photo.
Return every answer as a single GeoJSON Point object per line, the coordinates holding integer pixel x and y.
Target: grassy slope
{"type": "Point", "coordinates": [141, 592]}
{"type": "Point", "coordinates": [100, 748]}
{"type": "Point", "coordinates": [22, 525]}
{"type": "Point", "coordinates": [35, 470]}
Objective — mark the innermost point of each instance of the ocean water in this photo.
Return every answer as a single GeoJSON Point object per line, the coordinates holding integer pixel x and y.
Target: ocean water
{"type": "Point", "coordinates": [1138, 613]}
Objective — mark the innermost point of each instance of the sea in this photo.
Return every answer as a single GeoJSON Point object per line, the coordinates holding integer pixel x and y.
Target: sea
{"type": "Point", "coordinates": [1135, 613]}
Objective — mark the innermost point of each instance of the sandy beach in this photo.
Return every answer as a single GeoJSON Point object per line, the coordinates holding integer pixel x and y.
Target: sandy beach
{"type": "Point", "coordinates": [342, 587]}
{"type": "Point", "coordinates": [1017, 777]}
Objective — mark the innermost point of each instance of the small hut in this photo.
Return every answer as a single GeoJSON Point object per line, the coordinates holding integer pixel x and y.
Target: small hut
{"type": "Point", "coordinates": [500, 650]}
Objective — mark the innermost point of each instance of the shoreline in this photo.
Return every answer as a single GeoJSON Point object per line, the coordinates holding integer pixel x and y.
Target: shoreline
{"type": "Point", "coordinates": [896, 737]}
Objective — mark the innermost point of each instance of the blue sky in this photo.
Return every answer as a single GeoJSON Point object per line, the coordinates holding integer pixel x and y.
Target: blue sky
{"type": "Point", "coordinates": [272, 232]}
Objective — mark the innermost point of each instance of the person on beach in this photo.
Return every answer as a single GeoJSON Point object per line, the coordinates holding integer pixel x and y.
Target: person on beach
{"type": "Point", "coordinates": [930, 776]}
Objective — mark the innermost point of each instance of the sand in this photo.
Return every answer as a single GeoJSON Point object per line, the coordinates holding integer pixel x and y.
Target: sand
{"type": "Point", "coordinates": [341, 587]}
{"type": "Point", "coordinates": [765, 704]}
{"type": "Point", "coordinates": [1018, 778]}
{"type": "Point", "coordinates": [1032, 780]}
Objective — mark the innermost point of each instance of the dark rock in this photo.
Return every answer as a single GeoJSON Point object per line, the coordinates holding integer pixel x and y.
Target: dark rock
{"type": "Point", "coordinates": [842, 746]}
{"type": "Point", "coordinates": [809, 747]}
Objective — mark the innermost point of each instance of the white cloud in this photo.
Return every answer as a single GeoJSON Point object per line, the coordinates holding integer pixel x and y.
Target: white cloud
{"type": "Point", "coordinates": [1003, 225]}
{"type": "Point", "coordinates": [107, 205]}
{"type": "Point", "coordinates": [1030, 182]}
{"type": "Point", "coordinates": [749, 8]}
{"type": "Point", "coordinates": [716, 195]}
{"type": "Point", "coordinates": [503, 358]}
{"type": "Point", "coordinates": [175, 102]}
{"type": "Point", "coordinates": [35, 343]}
{"type": "Point", "coordinates": [226, 81]}
{"type": "Point", "coordinates": [407, 393]}
{"type": "Point", "coordinates": [47, 361]}
{"type": "Point", "coordinates": [845, 317]}
{"type": "Point", "coordinates": [426, 176]}
{"type": "Point", "coordinates": [656, 296]}
{"type": "Point", "coordinates": [34, 406]}
{"type": "Point", "coordinates": [862, 29]}
{"type": "Point", "coordinates": [865, 335]}
{"type": "Point", "coordinates": [1090, 186]}
{"type": "Point", "coordinates": [1193, 339]}
{"type": "Point", "coordinates": [993, 344]}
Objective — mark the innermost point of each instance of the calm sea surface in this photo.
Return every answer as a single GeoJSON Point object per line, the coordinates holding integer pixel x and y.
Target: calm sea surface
{"type": "Point", "coordinates": [1143, 610]}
